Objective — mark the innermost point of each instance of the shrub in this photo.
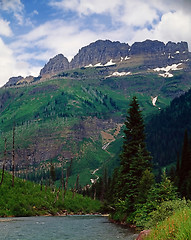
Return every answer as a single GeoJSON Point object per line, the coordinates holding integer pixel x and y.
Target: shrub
{"type": "Point", "coordinates": [26, 199]}
{"type": "Point", "coordinates": [178, 227]}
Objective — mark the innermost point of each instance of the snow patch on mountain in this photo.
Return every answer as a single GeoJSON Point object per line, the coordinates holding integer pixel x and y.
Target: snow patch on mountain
{"type": "Point", "coordinates": [105, 146]}
{"type": "Point", "coordinates": [173, 67]}
{"type": "Point", "coordinates": [119, 74]}
{"type": "Point", "coordinates": [90, 65]}
{"type": "Point", "coordinates": [166, 75]}
{"type": "Point", "coordinates": [110, 63]}
{"type": "Point", "coordinates": [154, 100]}
{"type": "Point", "coordinates": [127, 58]}
{"type": "Point", "coordinates": [98, 65]}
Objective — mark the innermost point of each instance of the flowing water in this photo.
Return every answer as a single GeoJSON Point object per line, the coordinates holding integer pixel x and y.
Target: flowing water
{"type": "Point", "coordinates": [62, 228]}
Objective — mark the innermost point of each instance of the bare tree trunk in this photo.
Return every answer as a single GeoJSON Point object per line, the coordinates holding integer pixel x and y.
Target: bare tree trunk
{"type": "Point", "coordinates": [13, 158]}
{"type": "Point", "coordinates": [41, 184]}
{"type": "Point", "coordinates": [76, 186]}
{"type": "Point", "coordinates": [95, 194]}
{"type": "Point", "coordinates": [62, 177]}
{"type": "Point", "coordinates": [4, 162]}
{"type": "Point", "coordinates": [57, 195]}
{"type": "Point", "coordinates": [66, 183]}
{"type": "Point", "coordinates": [67, 176]}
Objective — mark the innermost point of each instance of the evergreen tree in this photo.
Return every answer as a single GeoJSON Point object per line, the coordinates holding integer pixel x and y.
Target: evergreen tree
{"type": "Point", "coordinates": [135, 158]}
{"type": "Point", "coordinates": [184, 172]}
{"type": "Point", "coordinates": [185, 160]}
{"type": "Point", "coordinates": [147, 181]}
{"type": "Point", "coordinates": [52, 173]}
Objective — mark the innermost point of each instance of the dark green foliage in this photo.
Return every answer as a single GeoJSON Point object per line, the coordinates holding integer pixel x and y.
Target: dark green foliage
{"type": "Point", "coordinates": [183, 170]}
{"type": "Point", "coordinates": [166, 130]}
{"type": "Point", "coordinates": [146, 183]}
{"type": "Point", "coordinates": [136, 193]}
{"type": "Point", "coordinates": [135, 158]}
{"type": "Point", "coordinates": [133, 180]}
{"type": "Point", "coordinates": [28, 199]}
{"type": "Point", "coordinates": [156, 195]}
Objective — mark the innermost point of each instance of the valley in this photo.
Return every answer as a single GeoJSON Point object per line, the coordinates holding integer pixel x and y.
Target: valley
{"type": "Point", "coordinates": [76, 110]}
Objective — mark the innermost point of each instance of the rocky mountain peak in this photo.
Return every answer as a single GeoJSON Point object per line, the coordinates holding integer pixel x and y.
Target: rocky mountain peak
{"type": "Point", "coordinates": [100, 51]}
{"type": "Point", "coordinates": [13, 81]}
{"type": "Point", "coordinates": [107, 53]}
{"type": "Point", "coordinates": [55, 65]}
{"type": "Point", "coordinates": [147, 47]}
{"type": "Point", "coordinates": [180, 47]}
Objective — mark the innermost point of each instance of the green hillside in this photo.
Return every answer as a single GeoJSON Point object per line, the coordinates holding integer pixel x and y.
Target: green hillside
{"type": "Point", "coordinates": [79, 115]}
{"type": "Point", "coordinates": [29, 199]}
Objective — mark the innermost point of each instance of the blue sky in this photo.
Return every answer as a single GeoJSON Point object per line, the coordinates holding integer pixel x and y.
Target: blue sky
{"type": "Point", "coordinates": [33, 31]}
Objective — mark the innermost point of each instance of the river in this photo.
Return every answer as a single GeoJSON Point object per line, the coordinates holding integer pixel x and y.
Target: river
{"type": "Point", "coordinates": [62, 228]}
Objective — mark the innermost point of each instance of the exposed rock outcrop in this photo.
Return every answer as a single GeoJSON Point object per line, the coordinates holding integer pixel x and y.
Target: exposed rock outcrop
{"type": "Point", "coordinates": [147, 47]}
{"type": "Point", "coordinates": [143, 234]}
{"type": "Point", "coordinates": [159, 54]}
{"type": "Point", "coordinates": [13, 81]}
{"type": "Point", "coordinates": [156, 54]}
{"type": "Point", "coordinates": [99, 52]}
{"type": "Point", "coordinates": [107, 53]}
{"type": "Point", "coordinates": [55, 65]}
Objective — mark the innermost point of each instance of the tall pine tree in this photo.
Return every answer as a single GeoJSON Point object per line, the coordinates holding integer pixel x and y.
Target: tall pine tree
{"type": "Point", "coordinates": [135, 158]}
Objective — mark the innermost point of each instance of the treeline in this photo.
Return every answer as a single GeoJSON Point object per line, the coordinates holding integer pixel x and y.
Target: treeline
{"type": "Point", "coordinates": [166, 130]}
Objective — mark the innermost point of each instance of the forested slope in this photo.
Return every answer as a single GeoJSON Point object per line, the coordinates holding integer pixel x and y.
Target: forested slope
{"type": "Point", "coordinates": [165, 131]}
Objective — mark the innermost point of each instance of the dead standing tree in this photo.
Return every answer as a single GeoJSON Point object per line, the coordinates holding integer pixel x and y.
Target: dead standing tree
{"type": "Point", "coordinates": [4, 162]}
{"type": "Point", "coordinates": [68, 171]}
{"type": "Point", "coordinates": [13, 158]}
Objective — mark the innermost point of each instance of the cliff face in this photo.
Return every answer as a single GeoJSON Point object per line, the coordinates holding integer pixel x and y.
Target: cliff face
{"type": "Point", "coordinates": [108, 53]}
{"type": "Point", "coordinates": [158, 54]}
{"type": "Point", "coordinates": [20, 81]}
{"type": "Point", "coordinates": [12, 81]}
{"type": "Point", "coordinates": [99, 52]}
{"type": "Point", "coordinates": [55, 65]}
{"type": "Point", "coordinates": [155, 53]}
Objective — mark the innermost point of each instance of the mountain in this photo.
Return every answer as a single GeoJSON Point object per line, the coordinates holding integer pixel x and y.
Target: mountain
{"type": "Point", "coordinates": [102, 53]}
{"type": "Point", "coordinates": [75, 110]}
{"type": "Point", "coordinates": [55, 65]}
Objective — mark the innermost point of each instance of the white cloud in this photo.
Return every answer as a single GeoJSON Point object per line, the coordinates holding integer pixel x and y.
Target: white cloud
{"type": "Point", "coordinates": [5, 29]}
{"type": "Point", "coordinates": [139, 13]}
{"type": "Point", "coordinates": [6, 63]}
{"type": "Point", "coordinates": [86, 7]}
{"type": "Point", "coordinates": [14, 6]}
{"type": "Point", "coordinates": [136, 13]}
{"type": "Point", "coordinates": [131, 13]}
{"type": "Point", "coordinates": [50, 40]}
{"type": "Point", "coordinates": [10, 65]}
{"type": "Point", "coordinates": [172, 27]}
